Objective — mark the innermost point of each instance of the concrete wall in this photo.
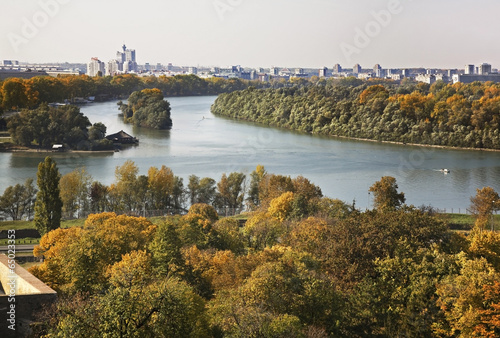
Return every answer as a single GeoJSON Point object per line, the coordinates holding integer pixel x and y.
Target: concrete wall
{"type": "Point", "coordinates": [31, 296]}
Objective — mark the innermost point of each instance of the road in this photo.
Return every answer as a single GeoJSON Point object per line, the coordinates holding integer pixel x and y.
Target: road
{"type": "Point", "coordinates": [19, 247]}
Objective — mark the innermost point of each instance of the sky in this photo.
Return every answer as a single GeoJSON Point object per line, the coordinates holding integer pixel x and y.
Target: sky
{"type": "Point", "coordinates": [255, 33]}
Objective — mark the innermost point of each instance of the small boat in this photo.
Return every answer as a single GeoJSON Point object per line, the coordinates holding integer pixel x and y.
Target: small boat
{"type": "Point", "coordinates": [446, 171]}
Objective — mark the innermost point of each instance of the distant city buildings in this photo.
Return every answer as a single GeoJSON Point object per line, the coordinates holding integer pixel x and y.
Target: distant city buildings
{"type": "Point", "coordinates": [485, 69]}
{"type": "Point", "coordinates": [125, 62]}
{"type": "Point", "coordinates": [482, 73]}
{"type": "Point", "coordinates": [14, 68]}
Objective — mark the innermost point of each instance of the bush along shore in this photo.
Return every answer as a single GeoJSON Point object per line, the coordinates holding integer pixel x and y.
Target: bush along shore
{"type": "Point", "coordinates": [458, 115]}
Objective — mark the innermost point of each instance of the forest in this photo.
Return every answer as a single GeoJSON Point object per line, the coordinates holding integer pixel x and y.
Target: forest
{"type": "Point", "coordinates": [17, 93]}
{"type": "Point", "coordinates": [302, 265]}
{"type": "Point", "coordinates": [458, 115]}
{"type": "Point", "coordinates": [66, 125]}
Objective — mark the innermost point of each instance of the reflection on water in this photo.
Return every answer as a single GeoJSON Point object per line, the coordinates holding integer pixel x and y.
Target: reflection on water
{"type": "Point", "coordinates": [202, 144]}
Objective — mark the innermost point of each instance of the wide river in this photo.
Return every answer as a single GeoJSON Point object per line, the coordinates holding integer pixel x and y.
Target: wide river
{"type": "Point", "coordinates": [205, 145]}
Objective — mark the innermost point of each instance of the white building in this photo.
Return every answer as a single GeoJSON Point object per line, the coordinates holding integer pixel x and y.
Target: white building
{"type": "Point", "coordinates": [469, 69]}
{"type": "Point", "coordinates": [426, 78]}
{"type": "Point", "coordinates": [95, 67]}
{"type": "Point", "coordinates": [113, 68]}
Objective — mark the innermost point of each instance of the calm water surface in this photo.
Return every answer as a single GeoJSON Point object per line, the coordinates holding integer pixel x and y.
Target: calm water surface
{"type": "Point", "coordinates": [205, 145]}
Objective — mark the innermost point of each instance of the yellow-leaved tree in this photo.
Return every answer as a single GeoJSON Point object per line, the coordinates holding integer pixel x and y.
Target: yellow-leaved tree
{"type": "Point", "coordinates": [76, 260]}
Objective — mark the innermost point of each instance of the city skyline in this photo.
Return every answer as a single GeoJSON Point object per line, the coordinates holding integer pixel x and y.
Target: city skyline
{"type": "Point", "coordinates": [315, 34]}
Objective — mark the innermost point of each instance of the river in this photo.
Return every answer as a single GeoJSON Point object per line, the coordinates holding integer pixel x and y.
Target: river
{"type": "Point", "coordinates": [202, 144]}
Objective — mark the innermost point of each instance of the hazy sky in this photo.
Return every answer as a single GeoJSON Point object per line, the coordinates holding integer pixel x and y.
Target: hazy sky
{"type": "Point", "coordinates": [313, 33]}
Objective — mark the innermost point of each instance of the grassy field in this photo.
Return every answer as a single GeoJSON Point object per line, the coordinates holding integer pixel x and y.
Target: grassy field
{"type": "Point", "coordinates": [465, 222]}
{"type": "Point", "coordinates": [17, 225]}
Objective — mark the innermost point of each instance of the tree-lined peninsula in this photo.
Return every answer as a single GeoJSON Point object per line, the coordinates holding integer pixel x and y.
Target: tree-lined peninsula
{"type": "Point", "coordinates": [458, 115]}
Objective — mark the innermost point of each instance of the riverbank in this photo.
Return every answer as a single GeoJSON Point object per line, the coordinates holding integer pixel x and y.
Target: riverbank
{"type": "Point", "coordinates": [407, 144]}
{"type": "Point", "coordinates": [20, 149]}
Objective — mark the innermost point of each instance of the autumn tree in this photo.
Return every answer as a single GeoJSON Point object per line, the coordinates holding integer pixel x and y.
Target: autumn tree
{"type": "Point", "coordinates": [82, 259]}
{"type": "Point", "coordinates": [272, 186]}
{"type": "Point", "coordinates": [229, 235]}
{"type": "Point", "coordinates": [160, 187]}
{"type": "Point", "coordinates": [489, 316]}
{"type": "Point", "coordinates": [385, 194]}
{"type": "Point", "coordinates": [196, 227]}
{"type": "Point", "coordinates": [281, 207]}
{"type": "Point", "coordinates": [48, 205]}
{"type": "Point", "coordinates": [262, 230]}
{"type": "Point", "coordinates": [288, 286]}
{"type": "Point", "coordinates": [48, 89]}
{"type": "Point", "coordinates": [14, 94]}
{"type": "Point", "coordinates": [461, 296]}
{"type": "Point", "coordinates": [136, 304]}
{"type": "Point", "coordinates": [483, 205]}
{"type": "Point", "coordinates": [125, 189]}
{"type": "Point", "coordinates": [74, 188]}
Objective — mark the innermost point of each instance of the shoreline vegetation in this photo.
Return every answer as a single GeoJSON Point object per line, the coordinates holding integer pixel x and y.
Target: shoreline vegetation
{"type": "Point", "coordinates": [30, 111]}
{"type": "Point", "coordinates": [463, 117]}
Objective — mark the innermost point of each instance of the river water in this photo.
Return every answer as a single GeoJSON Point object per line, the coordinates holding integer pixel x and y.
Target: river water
{"type": "Point", "coordinates": [202, 144]}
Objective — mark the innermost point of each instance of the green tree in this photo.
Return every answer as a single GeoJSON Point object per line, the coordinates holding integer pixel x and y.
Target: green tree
{"type": "Point", "coordinates": [201, 190]}
{"type": "Point", "coordinates": [97, 131]}
{"type": "Point", "coordinates": [18, 200]}
{"type": "Point", "coordinates": [231, 193]}
{"type": "Point", "coordinates": [98, 197]}
{"type": "Point", "coordinates": [147, 108]}
{"type": "Point", "coordinates": [385, 194]}
{"type": "Point", "coordinates": [48, 205]}
{"type": "Point", "coordinates": [253, 191]}
{"type": "Point", "coordinates": [166, 249]}
{"type": "Point", "coordinates": [193, 188]}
